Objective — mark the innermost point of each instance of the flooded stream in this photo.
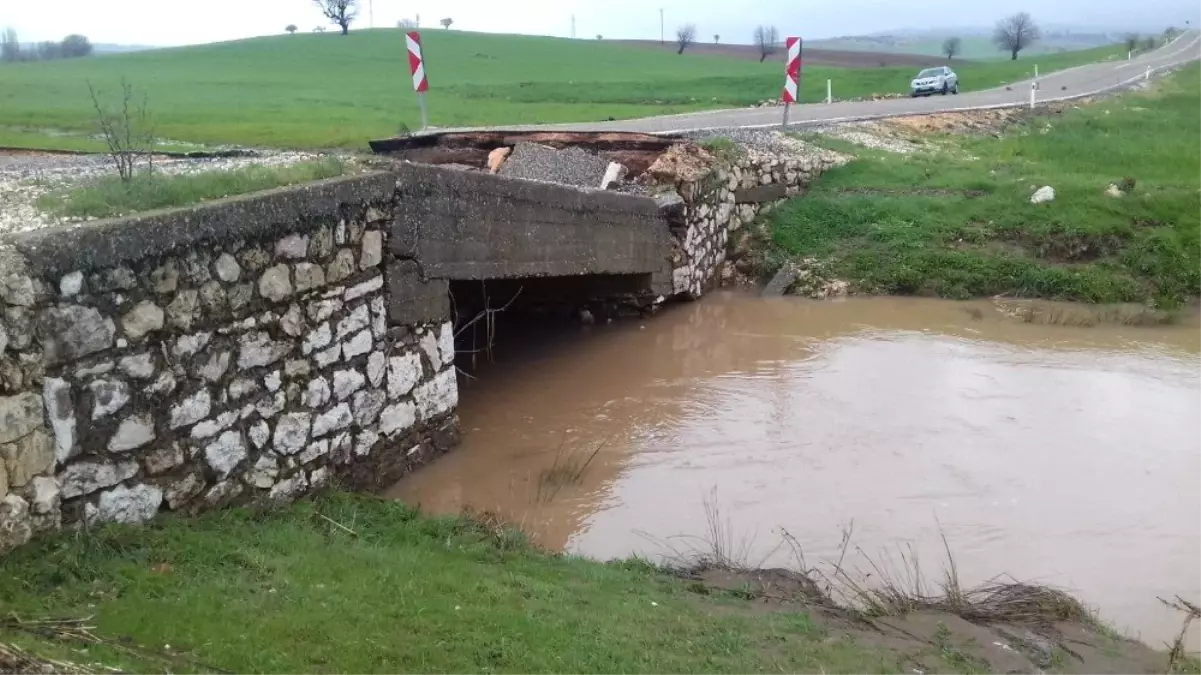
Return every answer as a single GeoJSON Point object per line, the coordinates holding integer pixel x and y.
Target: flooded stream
{"type": "Point", "coordinates": [1064, 456]}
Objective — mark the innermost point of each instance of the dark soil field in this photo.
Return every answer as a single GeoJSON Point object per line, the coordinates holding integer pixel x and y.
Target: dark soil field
{"type": "Point", "coordinates": [815, 57]}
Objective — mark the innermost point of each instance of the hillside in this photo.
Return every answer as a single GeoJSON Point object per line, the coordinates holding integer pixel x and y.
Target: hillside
{"type": "Point", "coordinates": [977, 43]}
{"type": "Point", "coordinates": [325, 90]}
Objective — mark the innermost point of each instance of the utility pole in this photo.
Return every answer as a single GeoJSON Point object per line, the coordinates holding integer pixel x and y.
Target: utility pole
{"type": "Point", "coordinates": [573, 26]}
{"type": "Point", "coordinates": [661, 35]}
{"type": "Point", "coordinates": [371, 13]}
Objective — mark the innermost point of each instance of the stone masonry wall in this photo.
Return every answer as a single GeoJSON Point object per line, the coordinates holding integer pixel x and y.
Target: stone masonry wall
{"type": "Point", "coordinates": [231, 353]}
{"type": "Point", "coordinates": [731, 195]}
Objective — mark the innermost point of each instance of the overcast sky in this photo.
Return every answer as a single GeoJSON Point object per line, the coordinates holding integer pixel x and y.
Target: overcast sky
{"type": "Point", "coordinates": [175, 22]}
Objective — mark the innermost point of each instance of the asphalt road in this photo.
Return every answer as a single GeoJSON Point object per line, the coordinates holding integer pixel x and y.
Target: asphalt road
{"type": "Point", "coordinates": [1065, 84]}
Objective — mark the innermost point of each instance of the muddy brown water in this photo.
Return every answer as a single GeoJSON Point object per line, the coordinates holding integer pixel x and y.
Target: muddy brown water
{"type": "Point", "coordinates": [1065, 456]}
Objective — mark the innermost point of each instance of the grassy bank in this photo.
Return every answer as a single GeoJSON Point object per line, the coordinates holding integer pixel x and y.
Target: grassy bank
{"type": "Point", "coordinates": [355, 584]}
{"type": "Point", "coordinates": [325, 90]}
{"type": "Point", "coordinates": [290, 592]}
{"type": "Point", "coordinates": [954, 218]}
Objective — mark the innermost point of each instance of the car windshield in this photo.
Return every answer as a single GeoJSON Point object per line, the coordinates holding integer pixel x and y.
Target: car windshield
{"type": "Point", "coordinates": [930, 72]}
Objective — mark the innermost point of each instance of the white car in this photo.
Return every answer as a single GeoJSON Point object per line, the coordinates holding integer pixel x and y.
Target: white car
{"type": "Point", "coordinates": [940, 80]}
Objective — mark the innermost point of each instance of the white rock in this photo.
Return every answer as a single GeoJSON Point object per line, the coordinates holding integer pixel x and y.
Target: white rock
{"type": "Point", "coordinates": [71, 284]}
{"type": "Point", "coordinates": [60, 410]}
{"type": "Point", "coordinates": [191, 344]}
{"type": "Point", "coordinates": [210, 428]}
{"type": "Point", "coordinates": [316, 449]}
{"type": "Point", "coordinates": [335, 418]}
{"type": "Point", "coordinates": [347, 382]}
{"type": "Point", "coordinates": [178, 492]}
{"type": "Point", "coordinates": [272, 381]}
{"type": "Point", "coordinates": [215, 366]}
{"type": "Point", "coordinates": [163, 385]}
{"type": "Point", "coordinates": [446, 343]}
{"type": "Point", "coordinates": [615, 173]}
{"type": "Point", "coordinates": [289, 489]}
{"type": "Point", "coordinates": [86, 477]}
{"type": "Point", "coordinates": [397, 418]}
{"type": "Point", "coordinates": [140, 366]}
{"type": "Point", "coordinates": [364, 442]}
{"type": "Point", "coordinates": [316, 339]}
{"type": "Point", "coordinates": [227, 268]}
{"type": "Point", "coordinates": [260, 433]}
{"type": "Point", "coordinates": [242, 387]}
{"type": "Point", "coordinates": [45, 495]}
{"type": "Point", "coordinates": [370, 286]}
{"type": "Point", "coordinates": [367, 406]}
{"type": "Point", "coordinates": [133, 432]}
{"type": "Point", "coordinates": [108, 396]}
{"type": "Point", "coordinates": [439, 395]}
{"type": "Point", "coordinates": [429, 345]}
{"type": "Point", "coordinates": [264, 472]}
{"type": "Point", "coordinates": [403, 373]}
{"type": "Point", "coordinates": [123, 504]}
{"type": "Point", "coordinates": [324, 358]}
{"type": "Point", "coordinates": [373, 246]}
{"type": "Point", "coordinates": [321, 310]}
{"type": "Point", "coordinates": [292, 246]}
{"type": "Point", "coordinates": [292, 322]}
{"type": "Point", "coordinates": [224, 454]}
{"type": "Point", "coordinates": [292, 433]}
{"type": "Point", "coordinates": [270, 406]}
{"type": "Point", "coordinates": [1043, 194]}
{"type": "Point", "coordinates": [190, 410]}
{"type": "Point", "coordinates": [257, 349]}
{"type": "Point", "coordinates": [317, 393]}
{"type": "Point", "coordinates": [361, 343]}
{"type": "Point", "coordinates": [1114, 191]}
{"type": "Point", "coordinates": [143, 318]}
{"type": "Point", "coordinates": [358, 319]}
{"type": "Point", "coordinates": [276, 284]}
{"type": "Point", "coordinates": [319, 478]}
{"type": "Point", "coordinates": [377, 365]}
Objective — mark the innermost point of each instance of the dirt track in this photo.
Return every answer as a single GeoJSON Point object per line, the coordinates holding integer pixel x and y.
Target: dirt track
{"type": "Point", "coordinates": [815, 57]}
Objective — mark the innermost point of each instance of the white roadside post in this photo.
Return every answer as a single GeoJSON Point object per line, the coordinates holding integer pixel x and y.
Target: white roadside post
{"type": "Point", "coordinates": [1036, 71]}
{"type": "Point", "coordinates": [1148, 75]}
{"type": "Point", "coordinates": [829, 91]}
{"type": "Point", "coordinates": [1033, 94]}
{"type": "Point", "coordinates": [792, 76]}
{"type": "Point", "coordinates": [417, 69]}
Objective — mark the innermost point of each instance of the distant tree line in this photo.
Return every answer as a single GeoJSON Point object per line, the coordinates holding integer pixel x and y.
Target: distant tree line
{"type": "Point", "coordinates": [71, 47]}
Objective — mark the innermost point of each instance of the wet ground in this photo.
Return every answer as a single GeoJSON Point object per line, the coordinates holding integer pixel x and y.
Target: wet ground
{"type": "Point", "coordinates": [1059, 455]}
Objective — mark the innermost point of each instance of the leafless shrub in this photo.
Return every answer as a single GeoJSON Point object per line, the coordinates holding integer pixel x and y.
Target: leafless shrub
{"type": "Point", "coordinates": [767, 39]}
{"type": "Point", "coordinates": [127, 131]}
{"type": "Point", "coordinates": [685, 35]}
{"type": "Point", "coordinates": [1177, 654]}
{"type": "Point", "coordinates": [951, 47]}
{"type": "Point", "coordinates": [486, 316]}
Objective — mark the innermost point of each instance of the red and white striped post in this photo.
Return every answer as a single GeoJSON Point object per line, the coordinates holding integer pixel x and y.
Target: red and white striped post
{"type": "Point", "coordinates": [792, 75]}
{"type": "Point", "coordinates": [417, 68]}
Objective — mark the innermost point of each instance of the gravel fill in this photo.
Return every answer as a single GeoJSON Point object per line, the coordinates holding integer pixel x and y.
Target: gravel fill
{"type": "Point", "coordinates": [569, 166]}
{"type": "Point", "coordinates": [763, 141]}
{"type": "Point", "coordinates": [26, 176]}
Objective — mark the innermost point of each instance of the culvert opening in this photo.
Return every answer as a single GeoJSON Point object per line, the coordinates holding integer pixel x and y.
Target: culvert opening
{"type": "Point", "coordinates": [503, 318]}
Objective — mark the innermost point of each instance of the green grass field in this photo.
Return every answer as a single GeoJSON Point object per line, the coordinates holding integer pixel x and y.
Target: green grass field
{"type": "Point", "coordinates": [956, 221]}
{"type": "Point", "coordinates": [325, 90]}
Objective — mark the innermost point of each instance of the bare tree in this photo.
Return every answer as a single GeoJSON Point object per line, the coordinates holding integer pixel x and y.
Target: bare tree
{"type": "Point", "coordinates": [128, 132]}
{"type": "Point", "coordinates": [406, 24]}
{"type": "Point", "coordinates": [600, 37]}
{"type": "Point", "coordinates": [10, 46]}
{"type": "Point", "coordinates": [685, 35]}
{"type": "Point", "coordinates": [767, 38]}
{"type": "Point", "coordinates": [952, 47]}
{"type": "Point", "coordinates": [1131, 40]}
{"type": "Point", "coordinates": [1150, 42]}
{"type": "Point", "coordinates": [716, 38]}
{"type": "Point", "coordinates": [319, 29]}
{"type": "Point", "coordinates": [1016, 33]}
{"type": "Point", "coordinates": [341, 12]}
{"type": "Point", "coordinates": [291, 29]}
{"type": "Point", "coordinates": [447, 22]}
{"type": "Point", "coordinates": [49, 50]}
